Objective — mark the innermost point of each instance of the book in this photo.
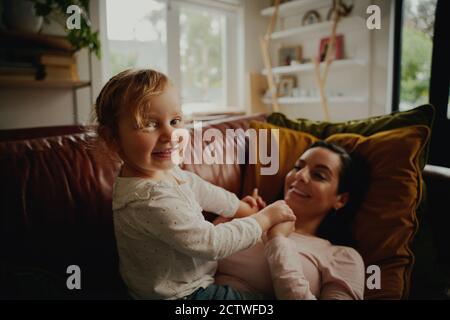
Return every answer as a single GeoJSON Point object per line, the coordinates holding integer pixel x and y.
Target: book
{"type": "Point", "coordinates": [61, 73]}
{"type": "Point", "coordinates": [17, 77]}
{"type": "Point", "coordinates": [57, 60]}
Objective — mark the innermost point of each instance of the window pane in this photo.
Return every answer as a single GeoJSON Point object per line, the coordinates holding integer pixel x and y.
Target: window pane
{"type": "Point", "coordinates": [417, 47]}
{"type": "Point", "coordinates": [136, 32]}
{"type": "Point", "coordinates": [202, 36]}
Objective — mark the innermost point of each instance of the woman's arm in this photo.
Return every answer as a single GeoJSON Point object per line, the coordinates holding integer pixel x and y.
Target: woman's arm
{"type": "Point", "coordinates": [285, 265]}
{"type": "Point", "coordinates": [286, 269]}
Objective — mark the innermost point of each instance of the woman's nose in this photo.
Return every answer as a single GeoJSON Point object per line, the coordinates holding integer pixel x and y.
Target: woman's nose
{"type": "Point", "coordinates": [302, 175]}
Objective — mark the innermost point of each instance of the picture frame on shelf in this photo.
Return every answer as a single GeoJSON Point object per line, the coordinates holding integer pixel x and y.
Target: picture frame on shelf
{"type": "Point", "coordinates": [286, 86]}
{"type": "Point", "coordinates": [338, 48]}
{"type": "Point", "coordinates": [311, 17]}
{"type": "Point", "coordinates": [288, 55]}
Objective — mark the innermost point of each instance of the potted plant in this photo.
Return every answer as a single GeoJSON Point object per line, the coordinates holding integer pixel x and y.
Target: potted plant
{"type": "Point", "coordinates": [55, 10]}
{"type": "Point", "coordinates": [20, 15]}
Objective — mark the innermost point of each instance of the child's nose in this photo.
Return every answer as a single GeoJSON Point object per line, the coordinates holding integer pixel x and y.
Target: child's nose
{"type": "Point", "coordinates": [166, 133]}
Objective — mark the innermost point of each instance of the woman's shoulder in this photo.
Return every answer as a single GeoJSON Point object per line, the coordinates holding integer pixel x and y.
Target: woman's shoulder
{"type": "Point", "coordinates": [345, 255]}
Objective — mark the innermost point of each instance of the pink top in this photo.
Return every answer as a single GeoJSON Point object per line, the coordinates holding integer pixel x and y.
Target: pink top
{"type": "Point", "coordinates": [298, 267]}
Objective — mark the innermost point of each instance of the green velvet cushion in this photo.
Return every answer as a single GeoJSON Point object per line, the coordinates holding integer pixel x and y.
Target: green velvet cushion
{"type": "Point", "coordinates": [423, 115]}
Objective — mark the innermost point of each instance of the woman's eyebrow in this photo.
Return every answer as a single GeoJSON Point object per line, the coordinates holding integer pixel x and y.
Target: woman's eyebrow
{"type": "Point", "coordinates": [325, 167]}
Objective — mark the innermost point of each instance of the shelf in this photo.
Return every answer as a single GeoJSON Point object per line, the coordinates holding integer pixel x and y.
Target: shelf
{"type": "Point", "coordinates": [49, 84]}
{"type": "Point", "coordinates": [292, 7]}
{"type": "Point", "coordinates": [304, 100]}
{"type": "Point", "coordinates": [28, 39]}
{"type": "Point", "coordinates": [356, 22]}
{"type": "Point", "coordinates": [310, 66]}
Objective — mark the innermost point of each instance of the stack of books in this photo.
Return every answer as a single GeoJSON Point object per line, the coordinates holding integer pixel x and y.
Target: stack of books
{"type": "Point", "coordinates": [29, 57]}
{"type": "Point", "coordinates": [58, 67]}
{"type": "Point", "coordinates": [14, 71]}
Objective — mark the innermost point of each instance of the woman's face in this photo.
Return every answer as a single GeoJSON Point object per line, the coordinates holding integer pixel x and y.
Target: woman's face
{"type": "Point", "coordinates": [310, 188]}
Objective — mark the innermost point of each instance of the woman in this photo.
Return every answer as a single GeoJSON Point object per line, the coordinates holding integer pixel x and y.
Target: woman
{"type": "Point", "coordinates": [311, 258]}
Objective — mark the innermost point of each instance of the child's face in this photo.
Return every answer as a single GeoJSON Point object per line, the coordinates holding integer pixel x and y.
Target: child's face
{"type": "Point", "coordinates": [148, 150]}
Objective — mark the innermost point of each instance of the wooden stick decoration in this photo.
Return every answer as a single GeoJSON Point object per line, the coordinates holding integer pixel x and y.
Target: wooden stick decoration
{"type": "Point", "coordinates": [265, 44]}
{"type": "Point", "coordinates": [321, 79]}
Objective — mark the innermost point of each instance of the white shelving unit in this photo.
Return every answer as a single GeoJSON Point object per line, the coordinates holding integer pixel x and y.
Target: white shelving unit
{"type": "Point", "coordinates": [310, 66]}
{"type": "Point", "coordinates": [356, 22]}
{"type": "Point", "coordinates": [348, 77]}
{"type": "Point", "coordinates": [293, 7]}
{"type": "Point", "coordinates": [303, 100]}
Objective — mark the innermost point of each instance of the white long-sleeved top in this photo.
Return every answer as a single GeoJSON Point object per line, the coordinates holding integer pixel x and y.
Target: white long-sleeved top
{"type": "Point", "coordinates": [166, 248]}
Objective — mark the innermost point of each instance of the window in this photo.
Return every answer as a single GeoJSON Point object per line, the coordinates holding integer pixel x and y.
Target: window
{"type": "Point", "coordinates": [194, 42]}
{"type": "Point", "coordinates": [136, 36]}
{"type": "Point", "coordinates": [202, 59]}
{"type": "Point", "coordinates": [416, 52]}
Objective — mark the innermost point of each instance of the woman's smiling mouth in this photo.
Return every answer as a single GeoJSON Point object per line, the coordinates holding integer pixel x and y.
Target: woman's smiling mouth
{"type": "Point", "coordinates": [299, 193]}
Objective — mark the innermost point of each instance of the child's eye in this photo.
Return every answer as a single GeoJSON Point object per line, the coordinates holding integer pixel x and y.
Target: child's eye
{"type": "Point", "coordinates": [175, 122]}
{"type": "Point", "coordinates": [150, 125]}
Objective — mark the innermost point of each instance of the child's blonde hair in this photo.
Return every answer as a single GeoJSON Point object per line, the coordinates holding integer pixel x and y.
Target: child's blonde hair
{"type": "Point", "coordinates": [128, 91]}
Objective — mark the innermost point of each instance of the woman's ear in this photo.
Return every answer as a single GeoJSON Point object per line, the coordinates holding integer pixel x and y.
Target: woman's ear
{"type": "Point", "coordinates": [341, 200]}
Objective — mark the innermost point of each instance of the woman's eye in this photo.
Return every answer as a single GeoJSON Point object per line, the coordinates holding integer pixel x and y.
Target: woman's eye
{"type": "Point", "coordinates": [319, 176]}
{"type": "Point", "coordinates": [296, 168]}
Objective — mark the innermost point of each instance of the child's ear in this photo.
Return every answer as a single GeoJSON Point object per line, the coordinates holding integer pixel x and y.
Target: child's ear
{"type": "Point", "coordinates": [107, 136]}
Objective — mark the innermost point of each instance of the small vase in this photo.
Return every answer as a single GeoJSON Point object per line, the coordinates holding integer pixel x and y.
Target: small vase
{"type": "Point", "coordinates": [20, 15]}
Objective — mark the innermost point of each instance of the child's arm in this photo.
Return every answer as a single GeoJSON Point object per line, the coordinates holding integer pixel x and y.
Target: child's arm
{"type": "Point", "coordinates": [247, 206]}
{"type": "Point", "coordinates": [164, 217]}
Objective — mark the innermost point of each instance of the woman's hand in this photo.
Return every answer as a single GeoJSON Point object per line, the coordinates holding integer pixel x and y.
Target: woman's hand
{"type": "Point", "coordinates": [250, 205]}
{"type": "Point", "coordinates": [255, 201]}
{"type": "Point", "coordinates": [283, 229]}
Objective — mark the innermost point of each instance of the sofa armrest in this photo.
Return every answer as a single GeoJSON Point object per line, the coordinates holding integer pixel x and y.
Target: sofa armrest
{"type": "Point", "coordinates": [437, 181]}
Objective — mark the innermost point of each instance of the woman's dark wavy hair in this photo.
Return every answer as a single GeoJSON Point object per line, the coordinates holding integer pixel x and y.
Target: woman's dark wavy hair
{"type": "Point", "coordinates": [337, 227]}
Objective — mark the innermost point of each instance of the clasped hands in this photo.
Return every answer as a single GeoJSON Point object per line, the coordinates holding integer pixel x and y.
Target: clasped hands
{"type": "Point", "coordinates": [251, 204]}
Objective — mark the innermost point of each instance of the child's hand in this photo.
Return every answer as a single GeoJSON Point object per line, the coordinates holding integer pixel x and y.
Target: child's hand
{"type": "Point", "coordinates": [282, 229]}
{"type": "Point", "coordinates": [273, 214]}
{"type": "Point", "coordinates": [220, 220]}
{"type": "Point", "coordinates": [255, 201]}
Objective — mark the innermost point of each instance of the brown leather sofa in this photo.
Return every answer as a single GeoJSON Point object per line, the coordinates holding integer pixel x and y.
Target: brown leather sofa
{"type": "Point", "coordinates": [56, 186]}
